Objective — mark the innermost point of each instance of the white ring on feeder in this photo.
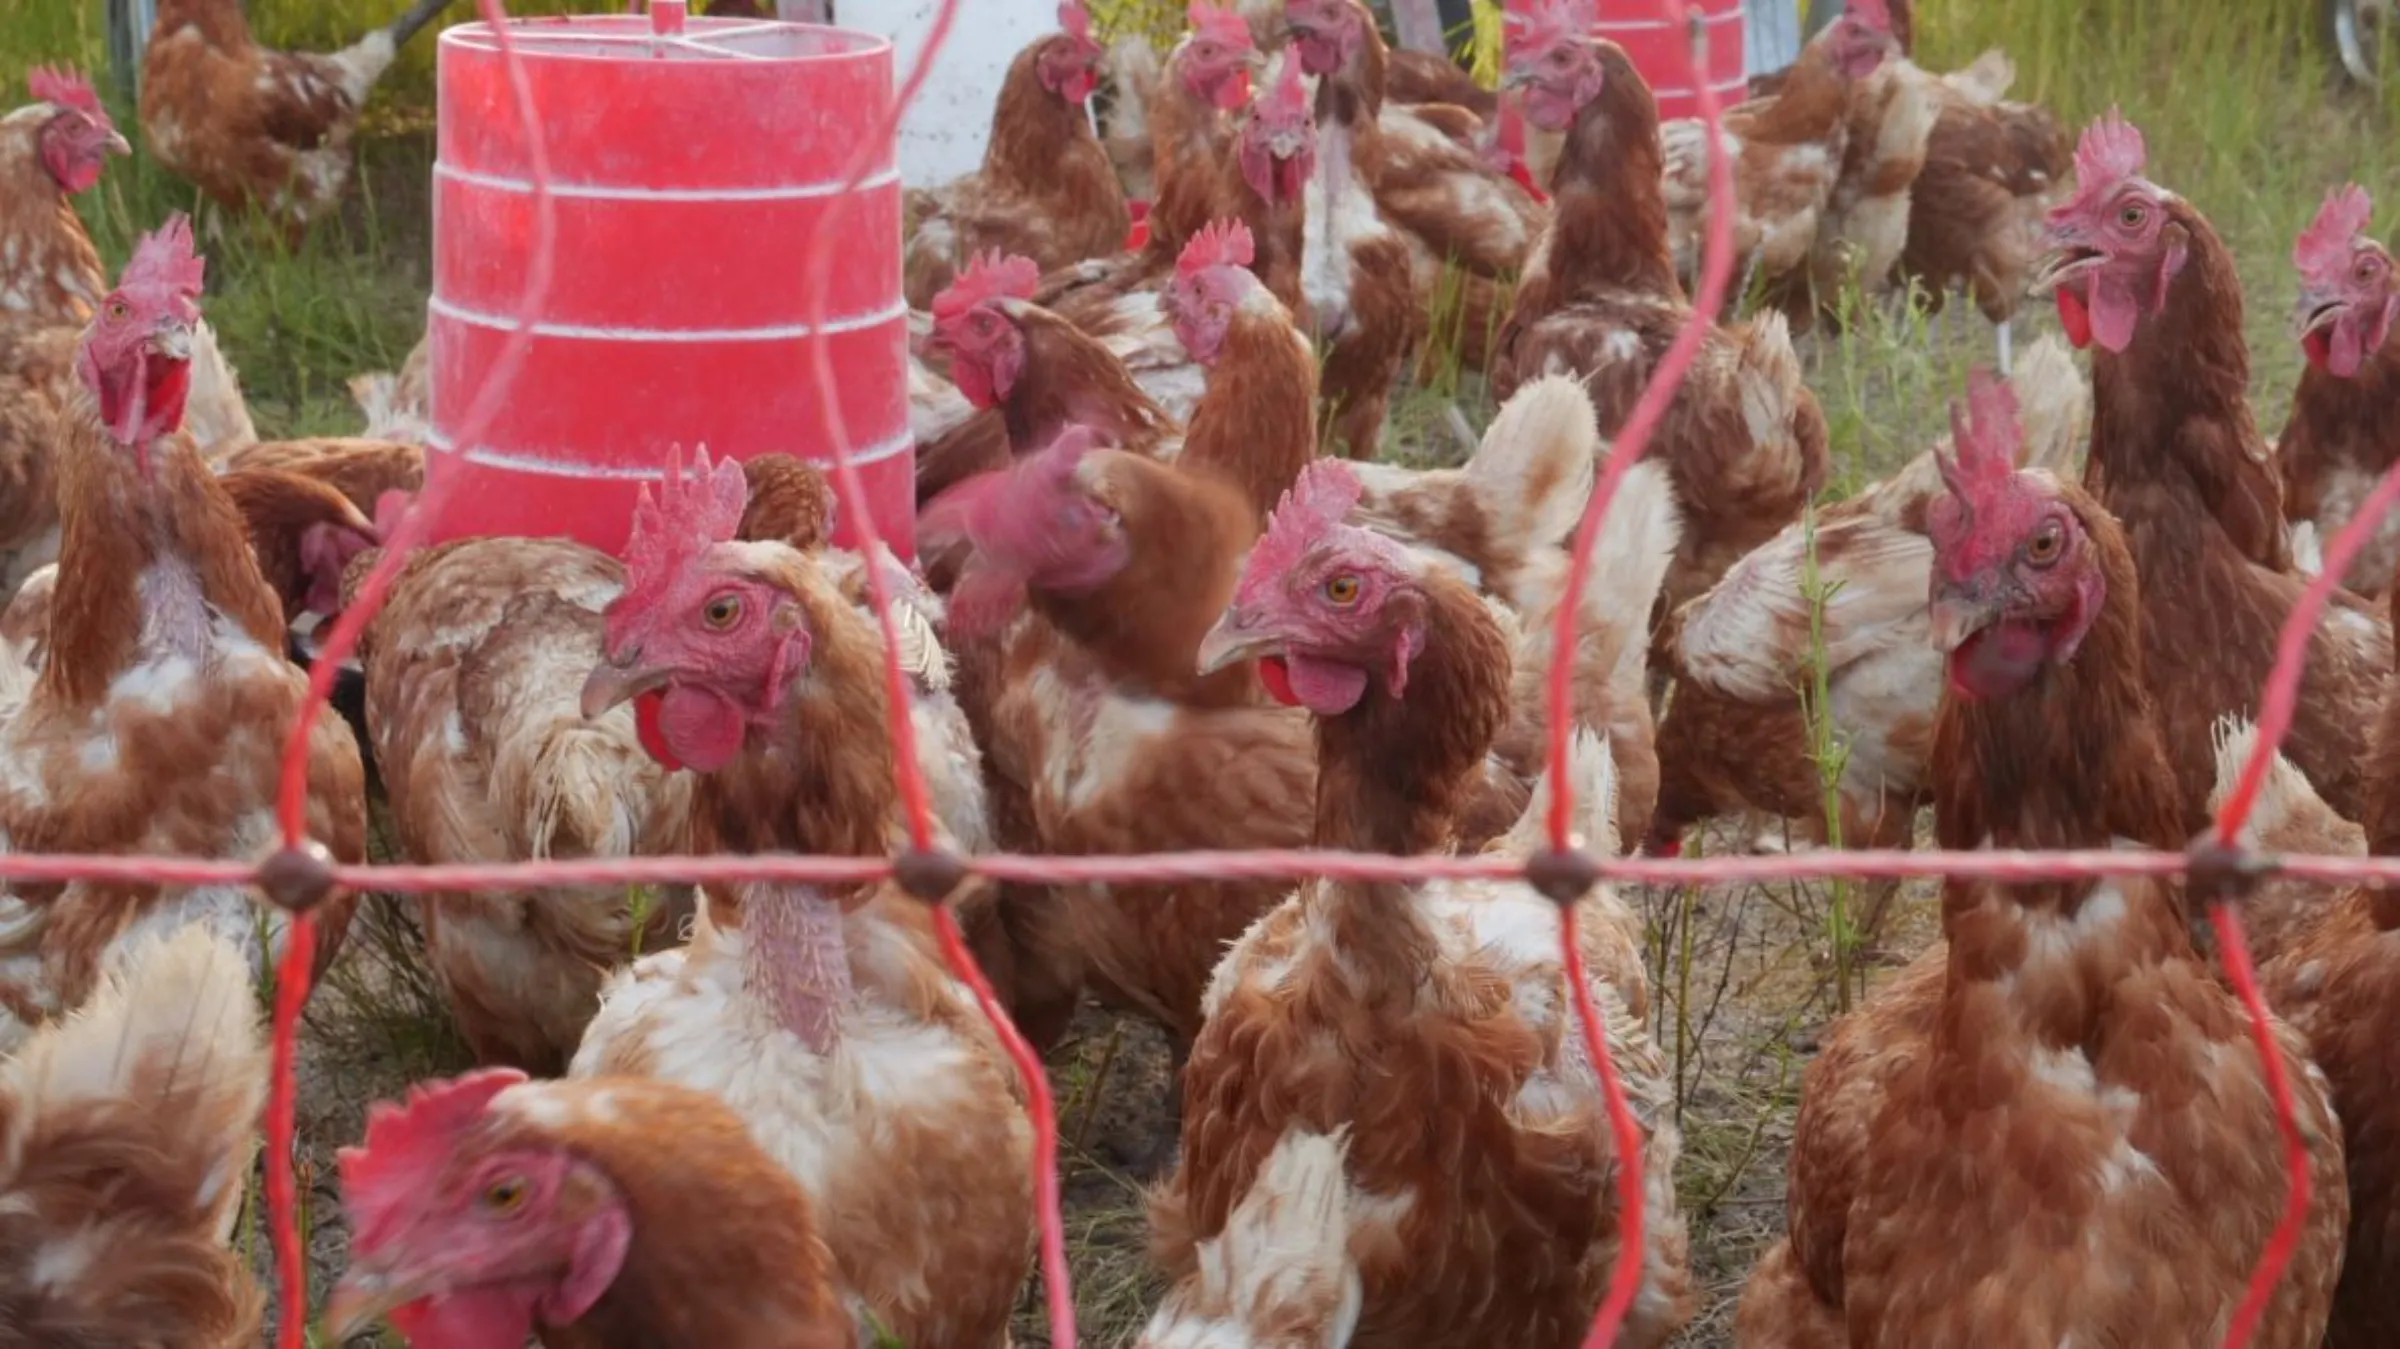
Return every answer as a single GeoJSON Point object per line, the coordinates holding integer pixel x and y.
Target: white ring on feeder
{"type": "Point", "coordinates": [1607, 26]}
{"type": "Point", "coordinates": [484, 456]}
{"type": "Point", "coordinates": [783, 332]}
{"type": "Point", "coordinates": [610, 192]}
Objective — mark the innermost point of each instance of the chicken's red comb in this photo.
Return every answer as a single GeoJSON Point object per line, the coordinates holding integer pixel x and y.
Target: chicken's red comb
{"type": "Point", "coordinates": [1225, 24]}
{"type": "Point", "coordinates": [1545, 22]}
{"type": "Point", "coordinates": [2110, 152]}
{"type": "Point", "coordinates": [405, 1142]}
{"type": "Point", "coordinates": [689, 513]}
{"type": "Point", "coordinates": [1219, 243]}
{"type": "Point", "coordinates": [68, 89]}
{"type": "Point", "coordinates": [1983, 437]}
{"type": "Point", "coordinates": [164, 260]}
{"type": "Point", "coordinates": [2323, 253]}
{"type": "Point", "coordinates": [1316, 503]}
{"type": "Point", "coordinates": [1076, 20]}
{"type": "Point", "coordinates": [1874, 14]}
{"type": "Point", "coordinates": [1287, 99]}
{"type": "Point", "coordinates": [991, 276]}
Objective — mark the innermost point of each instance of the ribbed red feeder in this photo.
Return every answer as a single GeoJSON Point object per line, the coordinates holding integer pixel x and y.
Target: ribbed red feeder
{"type": "Point", "coordinates": [1661, 49]}
{"type": "Point", "coordinates": [691, 163]}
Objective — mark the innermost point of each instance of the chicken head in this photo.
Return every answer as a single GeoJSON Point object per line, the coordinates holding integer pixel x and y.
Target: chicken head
{"type": "Point", "coordinates": [463, 1238]}
{"type": "Point", "coordinates": [2347, 298]}
{"type": "Point", "coordinates": [1328, 33]}
{"type": "Point", "coordinates": [136, 357]}
{"type": "Point", "coordinates": [1213, 280]}
{"type": "Point", "coordinates": [971, 322]}
{"type": "Point", "coordinates": [1323, 607]}
{"type": "Point", "coordinates": [1214, 60]}
{"type": "Point", "coordinates": [79, 137]}
{"type": "Point", "coordinates": [1069, 64]}
{"type": "Point", "coordinates": [1044, 522]}
{"type": "Point", "coordinates": [2016, 579]}
{"type": "Point", "coordinates": [1861, 38]}
{"type": "Point", "coordinates": [1552, 61]}
{"type": "Point", "coordinates": [2113, 248]}
{"type": "Point", "coordinates": [1277, 146]}
{"type": "Point", "coordinates": [703, 638]}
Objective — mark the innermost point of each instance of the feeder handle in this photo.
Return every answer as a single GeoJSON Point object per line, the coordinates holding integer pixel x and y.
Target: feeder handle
{"type": "Point", "coordinates": [667, 16]}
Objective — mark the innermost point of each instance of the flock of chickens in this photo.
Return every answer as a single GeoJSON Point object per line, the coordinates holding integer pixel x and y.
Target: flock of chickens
{"type": "Point", "coordinates": [1168, 600]}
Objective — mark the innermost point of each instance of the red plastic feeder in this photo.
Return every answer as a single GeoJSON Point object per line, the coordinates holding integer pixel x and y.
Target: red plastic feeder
{"type": "Point", "coordinates": [690, 163]}
{"type": "Point", "coordinates": [1660, 48]}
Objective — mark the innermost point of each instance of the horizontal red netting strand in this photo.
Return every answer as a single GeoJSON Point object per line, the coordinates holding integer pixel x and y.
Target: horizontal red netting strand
{"type": "Point", "coordinates": [292, 985]}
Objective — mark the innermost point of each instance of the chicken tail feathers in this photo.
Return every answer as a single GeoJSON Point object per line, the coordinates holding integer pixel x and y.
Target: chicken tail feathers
{"type": "Point", "coordinates": [126, 1131]}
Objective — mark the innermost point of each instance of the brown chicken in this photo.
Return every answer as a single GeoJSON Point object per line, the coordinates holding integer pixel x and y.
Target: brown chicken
{"type": "Point", "coordinates": [1046, 188]}
{"type": "Point", "coordinates": [2330, 965]}
{"type": "Point", "coordinates": [250, 125]}
{"type": "Point", "coordinates": [822, 1014]}
{"type": "Point", "coordinates": [1992, 169]}
{"type": "Point", "coordinates": [1472, 1115]}
{"type": "Point", "coordinates": [1280, 1273]}
{"type": "Point", "coordinates": [1449, 202]}
{"type": "Point", "coordinates": [487, 1210]}
{"type": "Point", "coordinates": [1116, 299]}
{"type": "Point", "coordinates": [50, 282]}
{"type": "Point", "coordinates": [2176, 456]}
{"type": "Point", "coordinates": [1736, 735]}
{"type": "Point", "coordinates": [51, 151]}
{"type": "Point", "coordinates": [2344, 431]}
{"type": "Point", "coordinates": [2053, 1126]}
{"type": "Point", "coordinates": [127, 1131]}
{"type": "Point", "coordinates": [158, 722]}
{"type": "Point", "coordinates": [1788, 150]}
{"type": "Point", "coordinates": [1744, 439]}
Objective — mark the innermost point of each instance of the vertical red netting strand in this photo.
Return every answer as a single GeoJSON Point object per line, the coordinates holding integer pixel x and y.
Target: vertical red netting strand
{"type": "Point", "coordinates": [1056, 1281]}
{"type": "Point", "coordinates": [292, 978]}
{"type": "Point", "coordinates": [1716, 271]}
{"type": "Point", "coordinates": [2277, 703]}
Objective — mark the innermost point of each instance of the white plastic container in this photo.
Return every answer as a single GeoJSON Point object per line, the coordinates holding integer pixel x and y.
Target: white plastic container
{"type": "Point", "coordinates": [944, 133]}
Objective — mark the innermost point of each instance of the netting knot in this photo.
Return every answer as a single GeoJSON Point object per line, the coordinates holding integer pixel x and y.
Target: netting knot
{"type": "Point", "coordinates": [929, 876]}
{"type": "Point", "coordinates": [2220, 873]}
{"type": "Point", "coordinates": [298, 879]}
{"type": "Point", "coordinates": [1564, 875]}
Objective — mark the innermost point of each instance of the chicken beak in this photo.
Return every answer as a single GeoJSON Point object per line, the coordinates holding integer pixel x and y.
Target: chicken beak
{"type": "Point", "coordinates": [1234, 639]}
{"type": "Point", "coordinates": [366, 1295]}
{"type": "Point", "coordinates": [612, 684]}
{"type": "Point", "coordinates": [117, 144]}
{"type": "Point", "coordinates": [1959, 613]}
{"type": "Point", "coordinates": [2063, 261]}
{"type": "Point", "coordinates": [1516, 79]}
{"type": "Point", "coordinates": [2316, 310]}
{"type": "Point", "coordinates": [172, 342]}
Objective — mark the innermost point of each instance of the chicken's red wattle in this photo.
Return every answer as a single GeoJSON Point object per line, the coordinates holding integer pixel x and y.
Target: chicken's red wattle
{"type": "Point", "coordinates": [2077, 316]}
{"type": "Point", "coordinates": [2319, 346]}
{"type": "Point", "coordinates": [1277, 676]}
{"type": "Point", "coordinates": [646, 709]}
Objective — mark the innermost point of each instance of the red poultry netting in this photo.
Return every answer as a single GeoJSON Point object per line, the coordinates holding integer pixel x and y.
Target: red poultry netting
{"type": "Point", "coordinates": [302, 873]}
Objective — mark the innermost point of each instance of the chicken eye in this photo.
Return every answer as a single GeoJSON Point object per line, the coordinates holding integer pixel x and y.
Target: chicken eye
{"type": "Point", "coordinates": [723, 612]}
{"type": "Point", "coordinates": [2044, 548]}
{"type": "Point", "coordinates": [505, 1196]}
{"type": "Point", "coordinates": [118, 310]}
{"type": "Point", "coordinates": [1342, 589]}
{"type": "Point", "coordinates": [2132, 214]}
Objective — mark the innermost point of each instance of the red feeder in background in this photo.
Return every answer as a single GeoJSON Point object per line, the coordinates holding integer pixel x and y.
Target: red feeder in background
{"type": "Point", "coordinates": [1660, 48]}
{"type": "Point", "coordinates": [691, 163]}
